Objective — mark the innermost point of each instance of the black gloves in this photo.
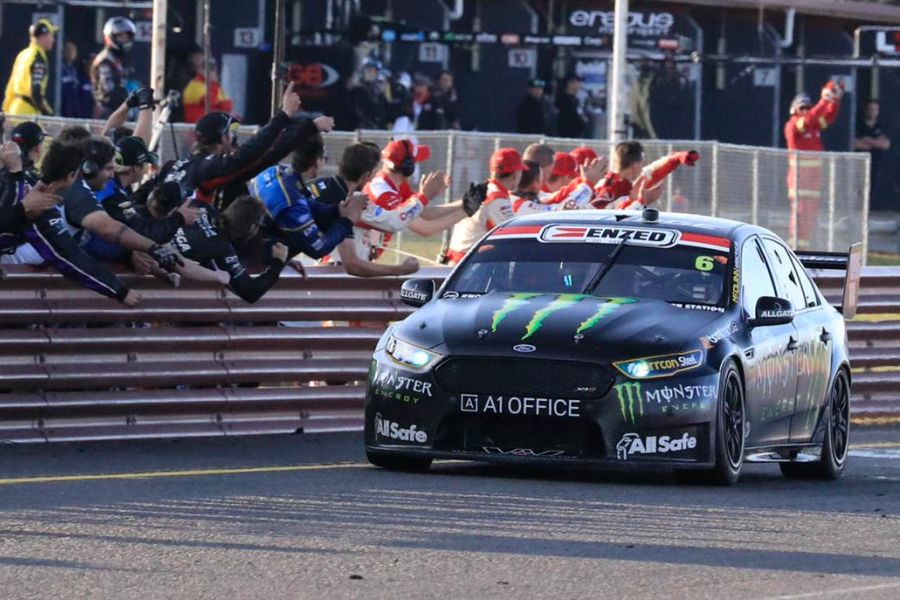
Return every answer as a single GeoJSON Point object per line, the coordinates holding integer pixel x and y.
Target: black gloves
{"type": "Point", "coordinates": [473, 198]}
{"type": "Point", "coordinates": [167, 257]}
{"type": "Point", "coordinates": [141, 98]}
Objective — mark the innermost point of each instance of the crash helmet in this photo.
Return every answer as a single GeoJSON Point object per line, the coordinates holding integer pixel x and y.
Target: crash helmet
{"type": "Point", "coordinates": [117, 26]}
{"type": "Point", "coordinates": [799, 101]}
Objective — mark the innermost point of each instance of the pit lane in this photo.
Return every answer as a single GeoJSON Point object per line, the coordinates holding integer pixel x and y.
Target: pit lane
{"type": "Point", "coordinates": [305, 517]}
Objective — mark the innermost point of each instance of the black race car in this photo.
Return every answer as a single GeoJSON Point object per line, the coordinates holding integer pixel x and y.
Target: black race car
{"type": "Point", "coordinates": [632, 339]}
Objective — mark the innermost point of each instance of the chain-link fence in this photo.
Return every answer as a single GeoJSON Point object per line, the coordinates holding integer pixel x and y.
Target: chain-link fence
{"type": "Point", "coordinates": [745, 183]}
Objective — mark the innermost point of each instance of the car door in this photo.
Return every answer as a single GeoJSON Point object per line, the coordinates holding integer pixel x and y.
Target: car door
{"type": "Point", "coordinates": [769, 364]}
{"type": "Point", "coordinates": [807, 345]}
{"type": "Point", "coordinates": [814, 358]}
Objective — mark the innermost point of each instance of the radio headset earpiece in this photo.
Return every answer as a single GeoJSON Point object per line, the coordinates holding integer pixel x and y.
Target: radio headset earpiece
{"type": "Point", "coordinates": [90, 167]}
{"type": "Point", "coordinates": [408, 166]}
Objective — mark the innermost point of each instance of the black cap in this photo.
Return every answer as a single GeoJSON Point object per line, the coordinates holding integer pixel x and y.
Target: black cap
{"type": "Point", "coordinates": [131, 151]}
{"type": "Point", "coordinates": [537, 83]}
{"type": "Point", "coordinates": [41, 27]}
{"type": "Point", "coordinates": [212, 126]}
{"type": "Point", "coordinates": [169, 195]}
{"type": "Point", "coordinates": [27, 135]}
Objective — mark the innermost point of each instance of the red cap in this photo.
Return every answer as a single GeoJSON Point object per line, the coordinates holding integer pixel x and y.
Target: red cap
{"type": "Point", "coordinates": [583, 155]}
{"type": "Point", "coordinates": [507, 161]}
{"type": "Point", "coordinates": [399, 150]}
{"type": "Point", "coordinates": [564, 165]}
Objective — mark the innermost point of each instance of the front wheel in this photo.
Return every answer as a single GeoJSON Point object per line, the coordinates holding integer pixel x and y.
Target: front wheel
{"type": "Point", "coordinates": [837, 438]}
{"type": "Point", "coordinates": [398, 462]}
{"type": "Point", "coordinates": [729, 432]}
{"type": "Point", "coordinates": [730, 427]}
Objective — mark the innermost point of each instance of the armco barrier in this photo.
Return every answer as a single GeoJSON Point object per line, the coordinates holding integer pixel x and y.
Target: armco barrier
{"type": "Point", "coordinates": [198, 361]}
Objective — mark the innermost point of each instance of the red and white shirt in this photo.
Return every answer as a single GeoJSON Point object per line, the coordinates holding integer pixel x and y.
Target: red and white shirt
{"type": "Point", "coordinates": [391, 208]}
{"type": "Point", "coordinates": [496, 209]}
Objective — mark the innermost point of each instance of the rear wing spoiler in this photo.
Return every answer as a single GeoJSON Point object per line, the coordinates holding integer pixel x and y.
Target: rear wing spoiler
{"type": "Point", "coordinates": [850, 262]}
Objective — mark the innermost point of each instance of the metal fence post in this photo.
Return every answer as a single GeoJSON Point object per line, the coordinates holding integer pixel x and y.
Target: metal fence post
{"type": "Point", "coordinates": [714, 182]}
{"type": "Point", "coordinates": [794, 194]}
{"type": "Point", "coordinates": [451, 139]}
{"type": "Point", "coordinates": [754, 189]}
{"type": "Point", "coordinates": [867, 182]}
{"type": "Point", "coordinates": [669, 150]}
{"type": "Point", "coordinates": [832, 193]}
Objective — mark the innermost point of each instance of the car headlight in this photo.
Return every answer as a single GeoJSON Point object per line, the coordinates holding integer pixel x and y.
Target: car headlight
{"type": "Point", "coordinates": [409, 355]}
{"type": "Point", "coordinates": [664, 365]}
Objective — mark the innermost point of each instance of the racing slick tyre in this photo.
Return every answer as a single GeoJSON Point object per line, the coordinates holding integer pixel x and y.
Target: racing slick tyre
{"type": "Point", "coordinates": [395, 462]}
{"type": "Point", "coordinates": [837, 438]}
{"type": "Point", "coordinates": [730, 418]}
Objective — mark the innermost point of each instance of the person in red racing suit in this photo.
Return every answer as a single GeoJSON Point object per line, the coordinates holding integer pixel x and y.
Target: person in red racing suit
{"type": "Point", "coordinates": [803, 132]}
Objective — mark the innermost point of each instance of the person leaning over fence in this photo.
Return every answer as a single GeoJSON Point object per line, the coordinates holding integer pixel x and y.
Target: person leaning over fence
{"type": "Point", "coordinates": [394, 206]}
{"type": "Point", "coordinates": [578, 192]}
{"type": "Point", "coordinates": [543, 155]}
{"type": "Point", "coordinates": [118, 199]}
{"type": "Point", "coordinates": [87, 219]}
{"type": "Point", "coordinates": [26, 90]}
{"type": "Point", "coordinates": [526, 199]}
{"type": "Point", "coordinates": [30, 138]}
{"type": "Point", "coordinates": [506, 169]}
{"type": "Point", "coordinates": [301, 221]}
{"type": "Point", "coordinates": [211, 240]}
{"type": "Point", "coordinates": [39, 222]}
{"type": "Point", "coordinates": [618, 185]}
{"type": "Point", "coordinates": [218, 169]}
{"type": "Point", "coordinates": [358, 165]}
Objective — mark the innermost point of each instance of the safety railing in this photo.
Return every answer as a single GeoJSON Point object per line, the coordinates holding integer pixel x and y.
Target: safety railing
{"type": "Point", "coordinates": [197, 361]}
{"type": "Point", "coordinates": [746, 183]}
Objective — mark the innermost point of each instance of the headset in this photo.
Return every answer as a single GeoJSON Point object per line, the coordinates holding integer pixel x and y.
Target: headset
{"type": "Point", "coordinates": [90, 168]}
{"type": "Point", "coordinates": [408, 166]}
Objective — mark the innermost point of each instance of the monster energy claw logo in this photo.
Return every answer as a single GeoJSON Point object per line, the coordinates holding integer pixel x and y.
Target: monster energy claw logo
{"type": "Point", "coordinates": [509, 305]}
{"type": "Point", "coordinates": [604, 311]}
{"type": "Point", "coordinates": [630, 393]}
{"type": "Point", "coordinates": [564, 301]}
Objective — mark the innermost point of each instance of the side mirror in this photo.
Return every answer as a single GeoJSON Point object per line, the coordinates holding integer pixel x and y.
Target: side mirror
{"type": "Point", "coordinates": [772, 311]}
{"type": "Point", "coordinates": [417, 292]}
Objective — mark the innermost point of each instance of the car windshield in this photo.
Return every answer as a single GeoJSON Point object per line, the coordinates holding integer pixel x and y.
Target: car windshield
{"type": "Point", "coordinates": [678, 274]}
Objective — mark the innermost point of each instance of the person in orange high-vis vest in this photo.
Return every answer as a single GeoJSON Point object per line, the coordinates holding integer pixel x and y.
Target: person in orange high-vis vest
{"type": "Point", "coordinates": [194, 96]}
{"type": "Point", "coordinates": [803, 132]}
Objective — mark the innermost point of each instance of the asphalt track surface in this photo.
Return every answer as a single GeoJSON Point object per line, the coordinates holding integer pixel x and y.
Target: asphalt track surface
{"type": "Point", "coordinates": [305, 517]}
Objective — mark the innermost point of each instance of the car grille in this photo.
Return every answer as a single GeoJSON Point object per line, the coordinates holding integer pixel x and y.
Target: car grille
{"type": "Point", "coordinates": [534, 377]}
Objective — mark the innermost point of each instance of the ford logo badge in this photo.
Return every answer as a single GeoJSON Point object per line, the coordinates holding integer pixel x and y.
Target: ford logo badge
{"type": "Point", "coordinates": [524, 348]}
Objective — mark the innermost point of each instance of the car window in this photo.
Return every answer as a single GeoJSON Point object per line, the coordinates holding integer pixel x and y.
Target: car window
{"type": "Point", "coordinates": [785, 275]}
{"type": "Point", "coordinates": [806, 284]}
{"type": "Point", "coordinates": [677, 274]}
{"type": "Point", "coordinates": [756, 281]}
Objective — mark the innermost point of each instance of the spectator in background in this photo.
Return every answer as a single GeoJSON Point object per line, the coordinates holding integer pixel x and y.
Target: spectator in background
{"type": "Point", "coordinates": [26, 91]}
{"type": "Point", "coordinates": [442, 112]}
{"type": "Point", "coordinates": [77, 99]}
{"type": "Point", "coordinates": [370, 105]}
{"type": "Point", "coordinates": [111, 68]}
{"type": "Point", "coordinates": [571, 122]}
{"type": "Point", "coordinates": [871, 138]}
{"type": "Point", "coordinates": [421, 98]}
{"type": "Point", "coordinates": [194, 95]}
{"type": "Point", "coordinates": [531, 116]}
